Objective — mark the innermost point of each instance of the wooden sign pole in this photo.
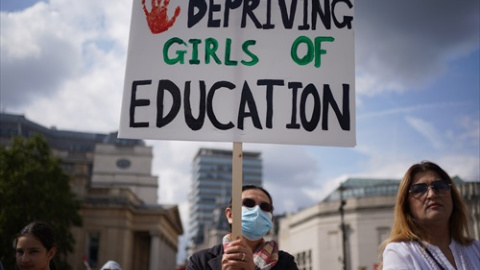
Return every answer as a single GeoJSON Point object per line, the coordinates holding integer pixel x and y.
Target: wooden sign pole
{"type": "Point", "coordinates": [237, 177]}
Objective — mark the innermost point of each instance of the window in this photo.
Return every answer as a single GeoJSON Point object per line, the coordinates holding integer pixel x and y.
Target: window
{"type": "Point", "coordinates": [304, 260]}
{"type": "Point", "coordinates": [93, 248]}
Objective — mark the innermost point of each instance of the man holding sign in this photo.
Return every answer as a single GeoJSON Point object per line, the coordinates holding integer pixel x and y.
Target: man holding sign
{"type": "Point", "coordinates": [241, 71]}
{"type": "Point", "coordinates": [250, 251]}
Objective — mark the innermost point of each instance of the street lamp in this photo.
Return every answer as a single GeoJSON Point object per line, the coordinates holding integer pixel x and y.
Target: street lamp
{"type": "Point", "coordinates": [341, 188]}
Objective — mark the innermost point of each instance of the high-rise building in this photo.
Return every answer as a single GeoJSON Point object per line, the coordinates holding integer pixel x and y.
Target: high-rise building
{"type": "Point", "coordinates": [211, 189]}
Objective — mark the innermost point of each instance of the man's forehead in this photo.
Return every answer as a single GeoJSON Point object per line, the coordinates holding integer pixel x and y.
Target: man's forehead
{"type": "Point", "coordinates": [255, 194]}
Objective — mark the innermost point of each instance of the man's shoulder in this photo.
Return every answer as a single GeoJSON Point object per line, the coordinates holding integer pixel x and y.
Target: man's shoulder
{"type": "Point", "coordinates": [284, 254]}
{"type": "Point", "coordinates": [201, 258]}
{"type": "Point", "coordinates": [209, 252]}
{"type": "Point", "coordinates": [286, 261]}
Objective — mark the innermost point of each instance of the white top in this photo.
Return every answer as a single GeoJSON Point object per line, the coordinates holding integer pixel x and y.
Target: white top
{"type": "Point", "coordinates": [111, 265]}
{"type": "Point", "coordinates": [411, 255]}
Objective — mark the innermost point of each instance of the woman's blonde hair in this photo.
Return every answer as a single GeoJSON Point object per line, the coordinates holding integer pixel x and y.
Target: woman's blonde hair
{"type": "Point", "coordinates": [405, 228]}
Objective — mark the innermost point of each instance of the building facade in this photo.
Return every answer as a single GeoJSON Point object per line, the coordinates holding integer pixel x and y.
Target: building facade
{"type": "Point", "coordinates": [210, 193]}
{"type": "Point", "coordinates": [116, 165]}
{"type": "Point", "coordinates": [336, 235]}
{"type": "Point", "coordinates": [122, 220]}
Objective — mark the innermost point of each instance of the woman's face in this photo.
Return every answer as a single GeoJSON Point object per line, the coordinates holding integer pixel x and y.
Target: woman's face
{"type": "Point", "coordinates": [31, 254]}
{"type": "Point", "coordinates": [432, 207]}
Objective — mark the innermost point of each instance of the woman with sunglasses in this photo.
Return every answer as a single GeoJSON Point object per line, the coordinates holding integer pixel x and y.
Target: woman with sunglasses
{"type": "Point", "coordinates": [430, 227]}
{"type": "Point", "coordinates": [251, 251]}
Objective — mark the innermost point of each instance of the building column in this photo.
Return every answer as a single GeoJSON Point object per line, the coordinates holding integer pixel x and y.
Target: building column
{"type": "Point", "coordinates": [154, 251]}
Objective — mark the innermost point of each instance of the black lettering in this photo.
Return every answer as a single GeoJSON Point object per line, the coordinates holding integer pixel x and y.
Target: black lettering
{"type": "Point", "coordinates": [175, 92]}
{"type": "Point", "coordinates": [210, 112]}
{"type": "Point", "coordinates": [347, 20]}
{"type": "Point", "coordinates": [268, 24]}
{"type": "Point", "coordinates": [294, 86]}
{"type": "Point", "coordinates": [213, 8]}
{"type": "Point", "coordinates": [248, 7]}
{"type": "Point", "coordinates": [194, 18]}
{"type": "Point", "coordinates": [310, 89]}
{"type": "Point", "coordinates": [192, 122]}
{"type": "Point", "coordinates": [324, 14]}
{"type": "Point", "coordinates": [134, 102]}
{"type": "Point", "coordinates": [286, 18]}
{"type": "Point", "coordinates": [270, 84]}
{"type": "Point", "coordinates": [313, 14]}
{"type": "Point", "coordinates": [305, 25]}
{"type": "Point", "coordinates": [248, 100]}
{"type": "Point", "coordinates": [343, 118]}
{"type": "Point", "coordinates": [230, 4]}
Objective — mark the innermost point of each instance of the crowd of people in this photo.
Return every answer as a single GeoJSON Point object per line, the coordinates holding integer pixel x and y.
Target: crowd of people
{"type": "Point", "coordinates": [429, 231]}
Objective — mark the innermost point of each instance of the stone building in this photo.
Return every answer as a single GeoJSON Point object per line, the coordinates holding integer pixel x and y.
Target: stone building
{"type": "Point", "coordinates": [122, 220]}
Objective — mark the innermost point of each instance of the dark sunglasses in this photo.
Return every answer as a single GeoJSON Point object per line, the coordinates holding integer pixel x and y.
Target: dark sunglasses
{"type": "Point", "coordinates": [440, 187]}
{"type": "Point", "coordinates": [250, 203]}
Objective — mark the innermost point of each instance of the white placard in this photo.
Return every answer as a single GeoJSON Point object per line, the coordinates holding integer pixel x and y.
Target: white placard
{"type": "Point", "coordinates": [258, 71]}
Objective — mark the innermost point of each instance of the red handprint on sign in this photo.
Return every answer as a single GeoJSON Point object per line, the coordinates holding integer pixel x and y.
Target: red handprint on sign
{"type": "Point", "coordinates": [157, 18]}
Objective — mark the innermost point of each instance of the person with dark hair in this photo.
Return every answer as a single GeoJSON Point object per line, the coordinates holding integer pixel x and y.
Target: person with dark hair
{"type": "Point", "coordinates": [35, 247]}
{"type": "Point", "coordinates": [251, 251]}
{"type": "Point", "coordinates": [430, 226]}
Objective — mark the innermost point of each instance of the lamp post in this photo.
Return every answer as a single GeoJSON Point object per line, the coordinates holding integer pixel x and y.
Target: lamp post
{"type": "Point", "coordinates": [341, 188]}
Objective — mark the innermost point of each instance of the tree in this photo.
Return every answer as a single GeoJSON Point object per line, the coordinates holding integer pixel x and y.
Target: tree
{"type": "Point", "coordinates": [33, 186]}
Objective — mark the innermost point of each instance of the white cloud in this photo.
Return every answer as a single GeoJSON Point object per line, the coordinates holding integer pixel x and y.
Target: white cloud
{"type": "Point", "coordinates": [470, 131]}
{"type": "Point", "coordinates": [327, 187]}
{"type": "Point", "coordinates": [36, 55]}
{"type": "Point", "coordinates": [466, 167]}
{"type": "Point", "coordinates": [71, 60]}
{"type": "Point", "coordinates": [428, 131]}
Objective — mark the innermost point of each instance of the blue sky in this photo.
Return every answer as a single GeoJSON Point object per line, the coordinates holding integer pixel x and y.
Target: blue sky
{"type": "Point", "coordinates": [417, 92]}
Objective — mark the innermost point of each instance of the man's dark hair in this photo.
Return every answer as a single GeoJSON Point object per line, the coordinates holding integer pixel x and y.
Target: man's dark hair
{"type": "Point", "coordinates": [247, 187]}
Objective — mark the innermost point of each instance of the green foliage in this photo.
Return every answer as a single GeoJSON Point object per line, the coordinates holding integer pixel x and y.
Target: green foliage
{"type": "Point", "coordinates": [34, 187]}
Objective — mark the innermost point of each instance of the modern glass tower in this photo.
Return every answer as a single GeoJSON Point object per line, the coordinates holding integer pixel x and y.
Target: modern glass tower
{"type": "Point", "coordinates": [212, 185]}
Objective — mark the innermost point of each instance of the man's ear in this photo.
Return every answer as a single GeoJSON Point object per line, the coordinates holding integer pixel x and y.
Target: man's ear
{"type": "Point", "coordinates": [228, 214]}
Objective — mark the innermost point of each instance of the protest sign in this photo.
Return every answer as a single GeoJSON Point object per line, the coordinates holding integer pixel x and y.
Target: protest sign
{"type": "Point", "coordinates": [258, 71]}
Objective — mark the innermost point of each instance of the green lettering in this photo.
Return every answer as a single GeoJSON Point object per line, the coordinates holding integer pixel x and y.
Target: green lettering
{"type": "Point", "coordinates": [180, 53]}
{"type": "Point", "coordinates": [194, 60]}
{"type": "Point", "coordinates": [245, 49]}
{"type": "Point", "coordinates": [310, 51]}
{"type": "Point", "coordinates": [211, 47]}
{"type": "Point", "coordinates": [318, 49]}
{"type": "Point", "coordinates": [228, 49]}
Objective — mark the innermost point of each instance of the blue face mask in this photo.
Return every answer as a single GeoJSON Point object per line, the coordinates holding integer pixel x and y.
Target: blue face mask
{"type": "Point", "coordinates": [255, 223]}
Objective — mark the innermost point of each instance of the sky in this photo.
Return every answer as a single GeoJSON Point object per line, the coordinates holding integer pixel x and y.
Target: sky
{"type": "Point", "coordinates": [417, 66]}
